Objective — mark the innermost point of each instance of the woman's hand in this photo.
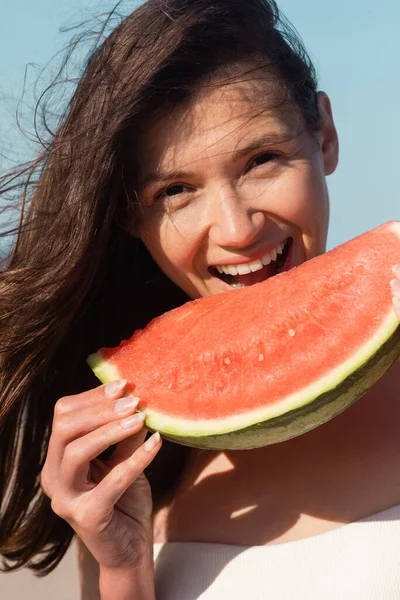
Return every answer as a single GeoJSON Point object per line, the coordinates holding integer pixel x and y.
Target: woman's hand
{"type": "Point", "coordinates": [108, 503]}
{"type": "Point", "coordinates": [395, 286]}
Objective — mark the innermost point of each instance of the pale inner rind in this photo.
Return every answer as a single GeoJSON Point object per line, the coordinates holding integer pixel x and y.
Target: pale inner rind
{"type": "Point", "coordinates": [103, 370]}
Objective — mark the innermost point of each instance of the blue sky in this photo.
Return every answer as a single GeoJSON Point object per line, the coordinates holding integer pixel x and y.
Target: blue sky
{"type": "Point", "coordinates": [356, 49]}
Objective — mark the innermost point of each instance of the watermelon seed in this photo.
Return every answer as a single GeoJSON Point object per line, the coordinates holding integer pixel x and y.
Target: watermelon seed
{"type": "Point", "coordinates": [261, 357]}
{"type": "Point", "coordinates": [292, 332]}
{"type": "Point", "coordinates": [227, 361]}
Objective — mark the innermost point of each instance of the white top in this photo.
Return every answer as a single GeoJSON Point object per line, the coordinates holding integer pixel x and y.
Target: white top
{"type": "Point", "coordinates": [359, 561]}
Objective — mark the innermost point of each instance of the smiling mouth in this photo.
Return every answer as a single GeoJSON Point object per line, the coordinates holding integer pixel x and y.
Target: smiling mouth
{"type": "Point", "coordinates": [279, 265]}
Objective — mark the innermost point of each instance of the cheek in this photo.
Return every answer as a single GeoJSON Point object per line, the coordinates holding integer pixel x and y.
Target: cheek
{"type": "Point", "coordinates": [313, 210]}
{"type": "Point", "coordinates": [171, 246]}
{"type": "Point", "coordinates": [303, 198]}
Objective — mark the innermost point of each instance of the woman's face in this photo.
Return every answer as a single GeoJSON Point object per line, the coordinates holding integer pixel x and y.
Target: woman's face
{"type": "Point", "coordinates": [233, 189]}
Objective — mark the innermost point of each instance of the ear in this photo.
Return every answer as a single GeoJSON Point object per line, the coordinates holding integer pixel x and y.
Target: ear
{"type": "Point", "coordinates": [327, 134]}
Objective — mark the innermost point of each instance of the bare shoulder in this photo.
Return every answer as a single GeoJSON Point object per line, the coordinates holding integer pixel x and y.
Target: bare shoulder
{"type": "Point", "coordinates": [88, 569]}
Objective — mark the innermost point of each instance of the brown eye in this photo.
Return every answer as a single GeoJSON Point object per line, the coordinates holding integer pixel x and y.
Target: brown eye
{"type": "Point", "coordinates": [174, 190]}
{"type": "Point", "coordinates": [261, 160]}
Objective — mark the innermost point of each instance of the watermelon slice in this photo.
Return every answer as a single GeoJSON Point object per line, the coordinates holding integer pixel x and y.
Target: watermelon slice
{"type": "Point", "coordinates": [262, 364]}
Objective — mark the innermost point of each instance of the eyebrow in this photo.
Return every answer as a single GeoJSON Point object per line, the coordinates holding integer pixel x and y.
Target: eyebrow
{"type": "Point", "coordinates": [270, 139]}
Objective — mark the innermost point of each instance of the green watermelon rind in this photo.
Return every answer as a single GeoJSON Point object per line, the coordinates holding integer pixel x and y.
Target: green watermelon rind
{"type": "Point", "coordinates": [300, 412]}
{"type": "Point", "coordinates": [103, 370]}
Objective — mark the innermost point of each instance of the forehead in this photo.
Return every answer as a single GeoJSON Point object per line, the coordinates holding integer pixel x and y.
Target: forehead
{"type": "Point", "coordinates": [220, 118]}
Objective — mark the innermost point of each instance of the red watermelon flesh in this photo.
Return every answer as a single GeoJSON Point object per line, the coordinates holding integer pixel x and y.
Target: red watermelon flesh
{"type": "Point", "coordinates": [261, 364]}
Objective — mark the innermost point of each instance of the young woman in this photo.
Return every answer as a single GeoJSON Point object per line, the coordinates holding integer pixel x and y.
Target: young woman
{"type": "Point", "coordinates": [196, 139]}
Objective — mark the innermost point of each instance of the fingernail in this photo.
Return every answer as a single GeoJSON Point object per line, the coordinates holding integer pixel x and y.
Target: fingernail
{"type": "Point", "coordinates": [152, 441]}
{"type": "Point", "coordinates": [133, 420]}
{"type": "Point", "coordinates": [396, 303]}
{"type": "Point", "coordinates": [112, 388]}
{"type": "Point", "coordinates": [125, 404]}
{"type": "Point", "coordinates": [396, 270]}
{"type": "Point", "coordinates": [395, 286]}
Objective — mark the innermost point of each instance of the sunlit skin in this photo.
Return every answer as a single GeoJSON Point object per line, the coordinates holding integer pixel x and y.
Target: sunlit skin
{"type": "Point", "coordinates": [229, 197]}
{"type": "Point", "coordinates": [238, 194]}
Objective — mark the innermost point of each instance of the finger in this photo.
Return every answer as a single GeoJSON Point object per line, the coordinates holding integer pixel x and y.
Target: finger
{"type": "Point", "coordinates": [78, 415]}
{"type": "Point", "coordinates": [105, 414]}
{"type": "Point", "coordinates": [122, 476]}
{"type": "Point", "coordinates": [395, 288]}
{"type": "Point", "coordinates": [396, 304]}
{"type": "Point", "coordinates": [108, 391]}
{"type": "Point", "coordinates": [115, 454]}
{"type": "Point", "coordinates": [79, 453]}
{"type": "Point", "coordinates": [126, 448]}
{"type": "Point", "coordinates": [88, 419]}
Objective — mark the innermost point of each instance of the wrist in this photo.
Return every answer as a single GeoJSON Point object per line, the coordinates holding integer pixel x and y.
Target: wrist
{"type": "Point", "coordinates": [135, 582]}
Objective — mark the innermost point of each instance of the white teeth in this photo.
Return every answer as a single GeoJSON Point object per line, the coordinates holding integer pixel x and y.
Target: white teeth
{"type": "Point", "coordinates": [266, 260]}
{"type": "Point", "coordinates": [232, 270]}
{"type": "Point", "coordinates": [257, 265]}
{"type": "Point", "coordinates": [243, 269]}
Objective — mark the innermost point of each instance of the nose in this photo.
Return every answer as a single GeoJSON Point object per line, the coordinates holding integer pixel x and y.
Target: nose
{"type": "Point", "coordinates": [233, 222]}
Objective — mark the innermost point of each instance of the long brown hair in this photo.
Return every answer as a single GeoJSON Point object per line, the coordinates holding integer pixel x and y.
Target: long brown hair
{"type": "Point", "coordinates": [77, 279]}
